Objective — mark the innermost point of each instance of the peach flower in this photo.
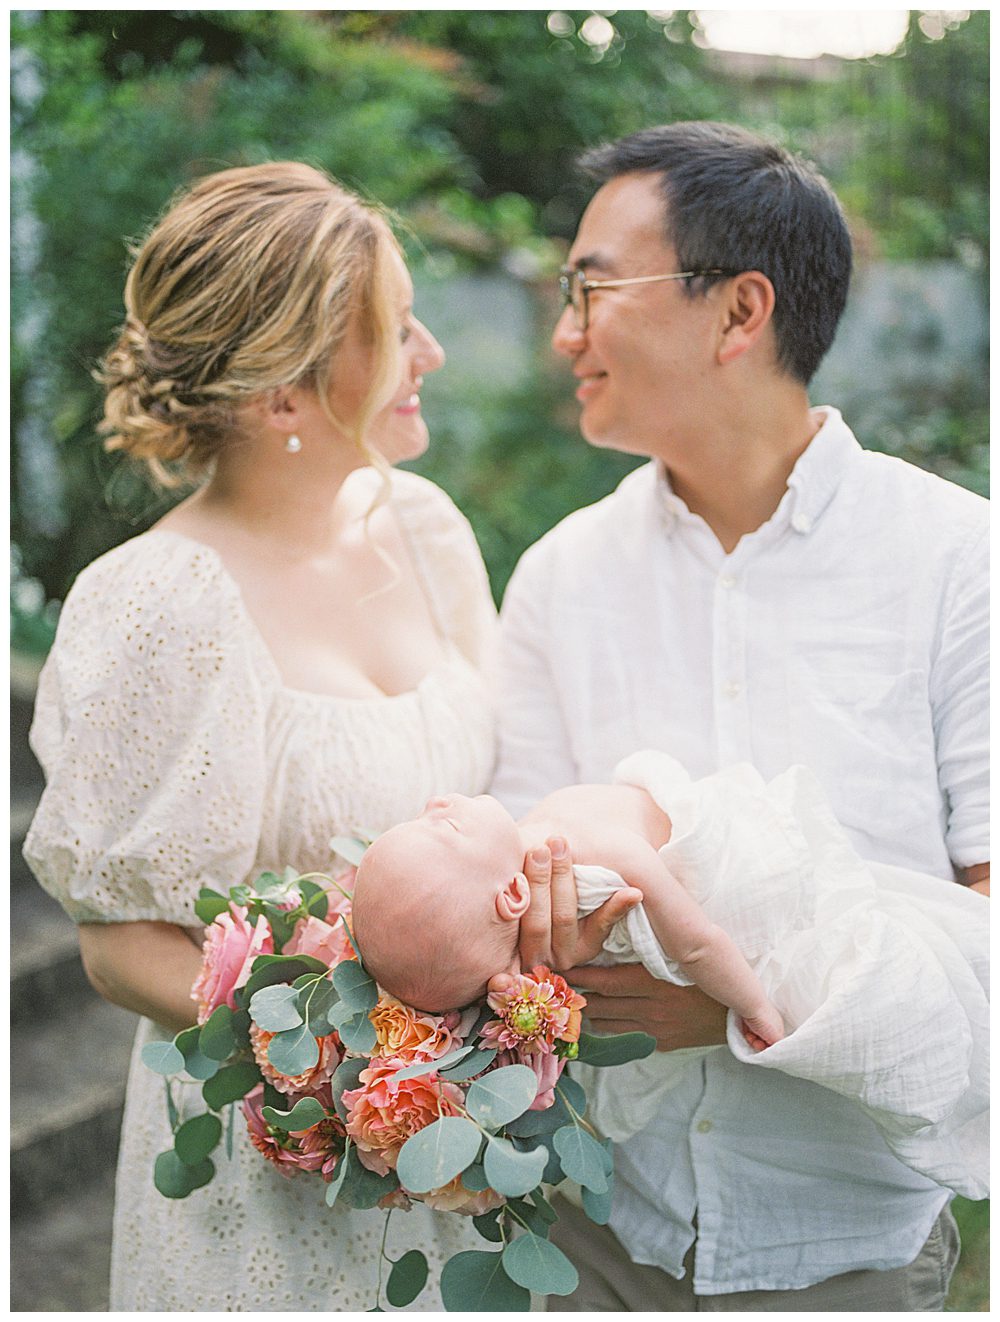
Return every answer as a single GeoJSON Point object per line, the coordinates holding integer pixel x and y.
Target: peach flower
{"type": "Point", "coordinates": [331, 1053]}
{"type": "Point", "coordinates": [408, 1035]}
{"type": "Point", "coordinates": [326, 941]}
{"type": "Point", "coordinates": [283, 1150]}
{"type": "Point", "coordinates": [384, 1111]}
{"type": "Point", "coordinates": [542, 1011]}
{"type": "Point", "coordinates": [455, 1197]}
{"type": "Point", "coordinates": [231, 946]}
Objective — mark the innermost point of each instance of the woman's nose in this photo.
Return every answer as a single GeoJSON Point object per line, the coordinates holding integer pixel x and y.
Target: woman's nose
{"type": "Point", "coordinates": [429, 356]}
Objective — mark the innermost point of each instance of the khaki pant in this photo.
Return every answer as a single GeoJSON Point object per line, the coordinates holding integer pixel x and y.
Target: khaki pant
{"type": "Point", "coordinates": [610, 1282]}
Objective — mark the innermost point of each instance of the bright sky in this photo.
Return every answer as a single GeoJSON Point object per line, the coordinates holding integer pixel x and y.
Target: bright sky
{"type": "Point", "coordinates": [806, 32]}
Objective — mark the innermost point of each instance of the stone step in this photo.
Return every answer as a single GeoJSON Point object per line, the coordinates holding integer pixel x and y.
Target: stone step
{"type": "Point", "coordinates": [46, 972]}
{"type": "Point", "coordinates": [67, 1091]}
{"type": "Point", "coordinates": [60, 1256]}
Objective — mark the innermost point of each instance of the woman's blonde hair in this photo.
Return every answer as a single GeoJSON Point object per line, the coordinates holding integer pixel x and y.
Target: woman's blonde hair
{"type": "Point", "coordinates": [246, 284]}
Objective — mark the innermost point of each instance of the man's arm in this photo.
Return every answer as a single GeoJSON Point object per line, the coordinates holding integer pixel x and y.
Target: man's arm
{"type": "Point", "coordinates": [977, 878]}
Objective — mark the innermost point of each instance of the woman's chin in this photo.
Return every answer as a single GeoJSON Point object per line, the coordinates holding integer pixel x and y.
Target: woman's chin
{"type": "Point", "coordinates": [403, 443]}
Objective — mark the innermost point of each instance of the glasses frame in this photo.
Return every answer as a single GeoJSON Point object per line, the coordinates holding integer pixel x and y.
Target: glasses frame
{"type": "Point", "coordinates": [570, 276]}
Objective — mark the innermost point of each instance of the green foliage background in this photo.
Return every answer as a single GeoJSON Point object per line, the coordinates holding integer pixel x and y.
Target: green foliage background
{"type": "Point", "coordinates": [466, 123]}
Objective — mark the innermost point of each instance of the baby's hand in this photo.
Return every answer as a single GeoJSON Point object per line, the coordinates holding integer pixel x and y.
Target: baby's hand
{"type": "Point", "coordinates": [764, 1029]}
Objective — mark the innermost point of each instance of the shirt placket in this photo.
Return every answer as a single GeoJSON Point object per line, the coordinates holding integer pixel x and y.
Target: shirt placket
{"type": "Point", "coordinates": [729, 661]}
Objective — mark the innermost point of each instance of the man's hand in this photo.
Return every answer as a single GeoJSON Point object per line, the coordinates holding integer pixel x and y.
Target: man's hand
{"type": "Point", "coordinates": [628, 999]}
{"type": "Point", "coordinates": [551, 933]}
{"type": "Point", "coordinates": [977, 878]}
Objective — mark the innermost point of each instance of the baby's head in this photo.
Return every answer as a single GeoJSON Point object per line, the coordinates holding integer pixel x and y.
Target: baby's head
{"type": "Point", "coordinates": [438, 902]}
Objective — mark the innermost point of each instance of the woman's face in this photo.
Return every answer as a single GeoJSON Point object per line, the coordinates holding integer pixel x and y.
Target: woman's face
{"type": "Point", "coordinates": [398, 430]}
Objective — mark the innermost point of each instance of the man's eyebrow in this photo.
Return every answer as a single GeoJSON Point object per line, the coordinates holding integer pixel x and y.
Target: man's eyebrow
{"type": "Point", "coordinates": [594, 262]}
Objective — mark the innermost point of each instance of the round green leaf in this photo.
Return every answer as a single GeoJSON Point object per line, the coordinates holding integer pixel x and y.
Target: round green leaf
{"type": "Point", "coordinates": [294, 1051]}
{"type": "Point", "coordinates": [346, 1078]}
{"type": "Point", "coordinates": [306, 1112]}
{"type": "Point", "coordinates": [540, 1266]}
{"type": "Point", "coordinates": [488, 1225]}
{"type": "Point", "coordinates": [230, 1084]}
{"type": "Point", "coordinates": [597, 1206]}
{"type": "Point", "coordinates": [511, 1172]}
{"type": "Point", "coordinates": [474, 1178]}
{"type": "Point", "coordinates": [552, 1117]}
{"type": "Point", "coordinates": [357, 1033]}
{"type": "Point", "coordinates": [357, 987]}
{"type": "Point", "coordinates": [437, 1154]}
{"type": "Point", "coordinates": [473, 1064]}
{"type": "Point", "coordinates": [274, 1008]}
{"type": "Point", "coordinates": [502, 1095]}
{"type": "Point", "coordinates": [432, 1066]}
{"type": "Point", "coordinates": [196, 1064]}
{"type": "Point", "coordinates": [616, 1049]}
{"type": "Point", "coordinates": [349, 847]}
{"type": "Point", "coordinates": [407, 1278]}
{"type": "Point", "coordinates": [337, 1183]}
{"type": "Point", "coordinates": [209, 905]}
{"type": "Point", "coordinates": [197, 1137]}
{"type": "Point", "coordinates": [582, 1157]}
{"type": "Point", "coordinates": [175, 1179]}
{"type": "Point", "coordinates": [363, 1188]}
{"type": "Point", "coordinates": [476, 1282]}
{"type": "Point", "coordinates": [162, 1057]}
{"type": "Point", "coordinates": [216, 1040]}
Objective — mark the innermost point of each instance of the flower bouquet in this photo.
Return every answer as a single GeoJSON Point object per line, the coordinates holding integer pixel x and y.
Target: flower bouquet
{"type": "Point", "coordinates": [469, 1112]}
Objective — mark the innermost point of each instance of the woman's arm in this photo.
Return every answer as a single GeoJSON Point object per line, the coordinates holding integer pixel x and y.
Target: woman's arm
{"type": "Point", "coordinates": [146, 967]}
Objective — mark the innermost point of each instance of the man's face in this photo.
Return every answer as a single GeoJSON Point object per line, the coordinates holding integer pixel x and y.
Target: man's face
{"type": "Point", "coordinates": [646, 359]}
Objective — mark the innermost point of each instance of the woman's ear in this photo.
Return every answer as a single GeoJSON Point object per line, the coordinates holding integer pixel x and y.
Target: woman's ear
{"type": "Point", "coordinates": [749, 310]}
{"type": "Point", "coordinates": [513, 898]}
{"type": "Point", "coordinates": [279, 410]}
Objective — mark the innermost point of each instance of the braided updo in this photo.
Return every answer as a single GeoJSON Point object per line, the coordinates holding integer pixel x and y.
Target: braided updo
{"type": "Point", "coordinates": [246, 284]}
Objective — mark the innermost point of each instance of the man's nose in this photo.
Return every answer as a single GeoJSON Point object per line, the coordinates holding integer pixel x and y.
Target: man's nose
{"type": "Point", "coordinates": [567, 338]}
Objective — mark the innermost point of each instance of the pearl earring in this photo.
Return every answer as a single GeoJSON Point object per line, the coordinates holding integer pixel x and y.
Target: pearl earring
{"type": "Point", "coordinates": [293, 445]}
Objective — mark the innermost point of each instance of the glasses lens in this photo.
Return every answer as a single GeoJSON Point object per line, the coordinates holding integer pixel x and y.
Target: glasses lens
{"type": "Point", "coordinates": [574, 295]}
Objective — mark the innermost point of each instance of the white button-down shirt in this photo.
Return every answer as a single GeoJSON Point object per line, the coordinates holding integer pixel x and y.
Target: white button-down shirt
{"type": "Point", "coordinates": [848, 633]}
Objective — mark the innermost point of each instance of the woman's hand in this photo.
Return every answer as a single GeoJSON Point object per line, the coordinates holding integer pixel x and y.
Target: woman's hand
{"type": "Point", "coordinates": [551, 932]}
{"type": "Point", "coordinates": [628, 999]}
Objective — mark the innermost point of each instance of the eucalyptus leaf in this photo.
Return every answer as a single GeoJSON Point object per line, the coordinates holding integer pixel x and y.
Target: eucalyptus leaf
{"type": "Point", "coordinates": [475, 1282]}
{"type": "Point", "coordinates": [319, 904]}
{"type": "Point", "coordinates": [540, 1266]}
{"type": "Point", "coordinates": [511, 1172]}
{"type": "Point", "coordinates": [598, 1205]}
{"type": "Point", "coordinates": [358, 1034]}
{"type": "Point", "coordinates": [162, 1057]}
{"type": "Point", "coordinates": [555, 1116]}
{"type": "Point", "coordinates": [435, 1155]}
{"type": "Point", "coordinates": [196, 1138]}
{"type": "Point", "coordinates": [274, 1008]}
{"type": "Point", "coordinates": [474, 1178]}
{"type": "Point", "coordinates": [545, 1209]}
{"type": "Point", "coordinates": [488, 1225]}
{"type": "Point", "coordinates": [208, 907]}
{"type": "Point", "coordinates": [270, 969]}
{"type": "Point", "coordinates": [582, 1157]}
{"type": "Point", "coordinates": [240, 1025]}
{"type": "Point", "coordinates": [196, 1063]}
{"type": "Point", "coordinates": [230, 1131]}
{"type": "Point", "coordinates": [617, 1049]}
{"type": "Point", "coordinates": [337, 1183]}
{"type": "Point", "coordinates": [268, 881]}
{"type": "Point", "coordinates": [407, 1278]}
{"type": "Point", "coordinates": [473, 1064]}
{"type": "Point", "coordinates": [230, 1084]}
{"type": "Point", "coordinates": [350, 849]}
{"type": "Point", "coordinates": [172, 1116]}
{"type": "Point", "coordinates": [553, 1173]}
{"type": "Point", "coordinates": [216, 1040]}
{"type": "Point", "coordinates": [306, 1112]}
{"type": "Point", "coordinates": [294, 1051]}
{"type": "Point", "coordinates": [356, 986]}
{"type": "Point", "coordinates": [430, 1066]}
{"type": "Point", "coordinates": [502, 1095]}
{"type": "Point", "coordinates": [175, 1179]}
{"type": "Point", "coordinates": [527, 1216]}
{"type": "Point", "coordinates": [363, 1188]}
{"type": "Point", "coordinates": [346, 1078]}
{"type": "Point", "coordinates": [315, 1001]}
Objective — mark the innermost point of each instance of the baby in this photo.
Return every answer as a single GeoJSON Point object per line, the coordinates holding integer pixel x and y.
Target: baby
{"type": "Point", "coordinates": [438, 900]}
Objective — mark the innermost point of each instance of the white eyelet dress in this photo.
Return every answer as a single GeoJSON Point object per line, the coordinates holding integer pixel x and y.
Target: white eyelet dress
{"type": "Point", "coordinates": [175, 758]}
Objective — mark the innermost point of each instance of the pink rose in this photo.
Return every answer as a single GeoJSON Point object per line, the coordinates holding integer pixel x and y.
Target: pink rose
{"type": "Point", "coordinates": [384, 1111]}
{"type": "Point", "coordinates": [455, 1197]}
{"type": "Point", "coordinates": [231, 946]}
{"type": "Point", "coordinates": [326, 941]}
{"type": "Point", "coordinates": [283, 1150]}
{"type": "Point", "coordinates": [331, 1053]}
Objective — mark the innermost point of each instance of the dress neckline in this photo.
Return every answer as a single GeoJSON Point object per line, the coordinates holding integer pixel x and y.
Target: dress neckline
{"type": "Point", "coordinates": [308, 695]}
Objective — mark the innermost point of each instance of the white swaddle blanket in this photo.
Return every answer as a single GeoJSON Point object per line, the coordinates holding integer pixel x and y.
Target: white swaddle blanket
{"type": "Point", "coordinates": [880, 974]}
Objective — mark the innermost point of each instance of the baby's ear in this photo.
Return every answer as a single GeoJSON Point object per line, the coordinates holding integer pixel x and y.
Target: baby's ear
{"type": "Point", "coordinates": [513, 898]}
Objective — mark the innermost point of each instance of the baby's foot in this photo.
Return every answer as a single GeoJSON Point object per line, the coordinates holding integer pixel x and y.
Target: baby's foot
{"type": "Point", "coordinates": [764, 1029]}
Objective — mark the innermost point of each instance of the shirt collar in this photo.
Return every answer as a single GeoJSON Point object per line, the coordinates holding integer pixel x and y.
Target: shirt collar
{"type": "Point", "coordinates": [812, 483]}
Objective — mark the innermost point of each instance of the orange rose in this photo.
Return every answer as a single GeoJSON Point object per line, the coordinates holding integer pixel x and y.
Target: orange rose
{"type": "Point", "coordinates": [331, 1053]}
{"type": "Point", "coordinates": [455, 1197]}
{"type": "Point", "coordinates": [409, 1036]}
{"type": "Point", "coordinates": [385, 1111]}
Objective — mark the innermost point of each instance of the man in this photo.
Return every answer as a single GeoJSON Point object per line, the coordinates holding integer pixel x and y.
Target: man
{"type": "Point", "coordinates": [763, 591]}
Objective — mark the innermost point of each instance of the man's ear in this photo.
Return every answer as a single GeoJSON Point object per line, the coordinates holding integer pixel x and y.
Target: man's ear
{"type": "Point", "coordinates": [513, 898]}
{"type": "Point", "coordinates": [748, 312]}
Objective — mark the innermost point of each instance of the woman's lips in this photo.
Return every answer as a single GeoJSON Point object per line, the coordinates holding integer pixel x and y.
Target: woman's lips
{"type": "Point", "coordinates": [409, 405]}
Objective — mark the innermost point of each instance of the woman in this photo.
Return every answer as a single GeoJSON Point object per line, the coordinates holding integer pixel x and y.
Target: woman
{"type": "Point", "coordinates": [293, 652]}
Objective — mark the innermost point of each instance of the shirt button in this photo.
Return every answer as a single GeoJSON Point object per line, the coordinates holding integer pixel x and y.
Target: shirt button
{"type": "Point", "coordinates": [728, 581]}
{"type": "Point", "coordinates": [704, 1126]}
{"type": "Point", "coordinates": [733, 690]}
{"type": "Point", "coordinates": [801, 522]}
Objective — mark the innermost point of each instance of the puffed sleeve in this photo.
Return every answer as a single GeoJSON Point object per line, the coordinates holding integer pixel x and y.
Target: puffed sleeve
{"type": "Point", "coordinates": [149, 725]}
{"type": "Point", "coordinates": [451, 565]}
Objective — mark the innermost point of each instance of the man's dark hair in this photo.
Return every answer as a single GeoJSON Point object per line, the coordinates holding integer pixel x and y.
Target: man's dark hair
{"type": "Point", "coordinates": [740, 203]}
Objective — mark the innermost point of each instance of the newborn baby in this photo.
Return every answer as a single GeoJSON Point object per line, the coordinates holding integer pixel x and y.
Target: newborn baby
{"type": "Point", "coordinates": [438, 900]}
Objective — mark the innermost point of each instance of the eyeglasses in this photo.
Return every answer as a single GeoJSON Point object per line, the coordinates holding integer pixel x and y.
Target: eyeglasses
{"type": "Point", "coordinates": [575, 288]}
